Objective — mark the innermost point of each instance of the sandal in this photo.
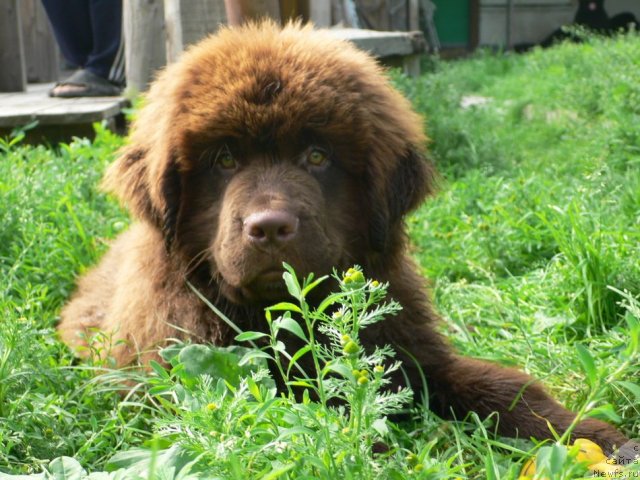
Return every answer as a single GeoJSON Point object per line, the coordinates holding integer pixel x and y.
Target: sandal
{"type": "Point", "coordinates": [83, 83]}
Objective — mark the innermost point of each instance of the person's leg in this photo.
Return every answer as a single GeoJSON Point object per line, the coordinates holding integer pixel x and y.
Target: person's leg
{"type": "Point", "coordinates": [71, 26]}
{"type": "Point", "coordinates": [107, 57]}
{"type": "Point", "coordinates": [89, 33]}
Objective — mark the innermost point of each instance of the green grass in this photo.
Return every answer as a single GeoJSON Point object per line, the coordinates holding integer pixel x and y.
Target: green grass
{"type": "Point", "coordinates": [532, 247]}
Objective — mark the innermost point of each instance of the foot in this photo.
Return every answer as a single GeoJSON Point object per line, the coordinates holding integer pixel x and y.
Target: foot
{"type": "Point", "coordinates": [83, 83]}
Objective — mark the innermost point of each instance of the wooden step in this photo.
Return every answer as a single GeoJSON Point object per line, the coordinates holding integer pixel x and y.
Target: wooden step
{"type": "Point", "coordinates": [58, 118]}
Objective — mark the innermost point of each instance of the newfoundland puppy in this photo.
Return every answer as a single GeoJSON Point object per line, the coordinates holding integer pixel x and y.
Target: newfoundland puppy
{"type": "Point", "coordinates": [265, 145]}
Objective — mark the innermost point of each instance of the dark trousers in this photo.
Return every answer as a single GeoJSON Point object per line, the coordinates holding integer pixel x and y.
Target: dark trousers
{"type": "Point", "coordinates": [89, 33]}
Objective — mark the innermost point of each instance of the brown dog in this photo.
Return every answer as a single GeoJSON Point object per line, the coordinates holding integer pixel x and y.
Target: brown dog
{"type": "Point", "coordinates": [265, 145]}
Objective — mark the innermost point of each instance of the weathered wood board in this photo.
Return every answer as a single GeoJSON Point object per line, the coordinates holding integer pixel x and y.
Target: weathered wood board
{"type": "Point", "coordinates": [13, 74]}
{"type": "Point", "coordinates": [145, 48]}
{"type": "Point", "coordinates": [396, 49]}
{"type": "Point", "coordinates": [40, 49]}
{"type": "Point", "coordinates": [383, 44]}
{"type": "Point", "coordinates": [21, 108]}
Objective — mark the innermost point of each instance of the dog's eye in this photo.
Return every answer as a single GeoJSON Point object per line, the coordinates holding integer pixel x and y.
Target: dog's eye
{"type": "Point", "coordinates": [225, 160]}
{"type": "Point", "coordinates": [317, 158]}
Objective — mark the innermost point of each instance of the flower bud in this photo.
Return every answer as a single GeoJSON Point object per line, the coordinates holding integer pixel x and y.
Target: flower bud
{"type": "Point", "coordinates": [351, 348]}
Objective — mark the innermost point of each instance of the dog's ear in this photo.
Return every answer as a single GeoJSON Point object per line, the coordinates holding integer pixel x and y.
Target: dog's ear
{"type": "Point", "coordinates": [407, 185]}
{"type": "Point", "coordinates": [149, 188]}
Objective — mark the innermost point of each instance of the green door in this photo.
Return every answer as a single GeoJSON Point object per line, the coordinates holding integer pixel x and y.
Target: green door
{"type": "Point", "coordinates": [452, 18]}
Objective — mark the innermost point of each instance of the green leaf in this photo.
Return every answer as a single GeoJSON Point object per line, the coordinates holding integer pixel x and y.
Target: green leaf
{"type": "Point", "coordinates": [285, 306]}
{"type": "Point", "coordinates": [158, 390]}
{"type": "Point", "coordinates": [490, 467]}
{"type": "Point", "coordinates": [171, 352]}
{"type": "Point", "coordinates": [66, 468]}
{"type": "Point", "coordinates": [254, 355]}
{"type": "Point", "coordinates": [632, 387]}
{"type": "Point", "coordinates": [159, 369]}
{"type": "Point", "coordinates": [296, 356]}
{"type": "Point", "coordinates": [279, 472]}
{"type": "Point", "coordinates": [293, 287]}
{"type": "Point", "coordinates": [543, 459]}
{"type": "Point", "coordinates": [557, 459]}
{"type": "Point", "coordinates": [219, 362]}
{"type": "Point", "coordinates": [330, 300]}
{"type": "Point", "coordinates": [127, 458]}
{"type": "Point", "coordinates": [606, 412]}
{"type": "Point", "coordinates": [248, 336]}
{"type": "Point", "coordinates": [137, 461]}
{"type": "Point", "coordinates": [339, 368]}
{"type": "Point", "coordinates": [313, 285]}
{"type": "Point", "coordinates": [289, 324]}
{"type": "Point", "coordinates": [285, 433]}
{"type": "Point", "coordinates": [300, 383]}
{"type": "Point", "coordinates": [254, 389]}
{"type": "Point", "coordinates": [380, 426]}
{"type": "Point", "coordinates": [588, 364]}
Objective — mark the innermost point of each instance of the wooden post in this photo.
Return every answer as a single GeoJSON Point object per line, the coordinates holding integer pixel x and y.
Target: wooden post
{"type": "Point", "coordinates": [145, 51]}
{"type": "Point", "coordinates": [239, 11]}
{"type": "Point", "coordinates": [320, 12]}
{"type": "Point", "coordinates": [397, 11]}
{"type": "Point", "coordinates": [40, 49]}
{"type": "Point", "coordinates": [414, 16]}
{"type": "Point", "coordinates": [509, 24]}
{"type": "Point", "coordinates": [350, 13]}
{"type": "Point", "coordinates": [13, 76]}
{"type": "Point", "coordinates": [173, 30]}
{"type": "Point", "coordinates": [474, 24]}
{"type": "Point", "coordinates": [188, 21]}
{"type": "Point", "coordinates": [337, 12]}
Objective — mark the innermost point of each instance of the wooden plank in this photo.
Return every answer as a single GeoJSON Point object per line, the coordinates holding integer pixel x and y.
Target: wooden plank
{"type": "Point", "coordinates": [530, 24]}
{"type": "Point", "coordinates": [40, 48]}
{"type": "Point", "coordinates": [145, 48]}
{"type": "Point", "coordinates": [13, 77]}
{"type": "Point", "coordinates": [529, 3]}
{"type": "Point", "coordinates": [35, 104]}
{"type": "Point", "coordinates": [383, 44]}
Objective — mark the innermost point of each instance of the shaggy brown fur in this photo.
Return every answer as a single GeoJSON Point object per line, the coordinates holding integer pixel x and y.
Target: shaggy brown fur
{"type": "Point", "coordinates": [265, 145]}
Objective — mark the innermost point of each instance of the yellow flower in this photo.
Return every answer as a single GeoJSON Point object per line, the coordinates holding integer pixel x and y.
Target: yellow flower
{"type": "Point", "coordinates": [412, 459]}
{"type": "Point", "coordinates": [529, 469]}
{"type": "Point", "coordinates": [589, 452]}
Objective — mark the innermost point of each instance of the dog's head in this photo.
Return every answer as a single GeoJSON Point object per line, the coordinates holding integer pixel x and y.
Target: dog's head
{"type": "Point", "coordinates": [266, 145]}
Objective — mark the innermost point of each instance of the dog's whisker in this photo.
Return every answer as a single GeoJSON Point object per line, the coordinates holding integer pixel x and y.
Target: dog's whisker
{"type": "Point", "coordinates": [196, 261]}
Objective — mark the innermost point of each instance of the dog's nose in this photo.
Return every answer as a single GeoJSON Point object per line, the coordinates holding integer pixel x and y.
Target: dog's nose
{"type": "Point", "coordinates": [271, 227]}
